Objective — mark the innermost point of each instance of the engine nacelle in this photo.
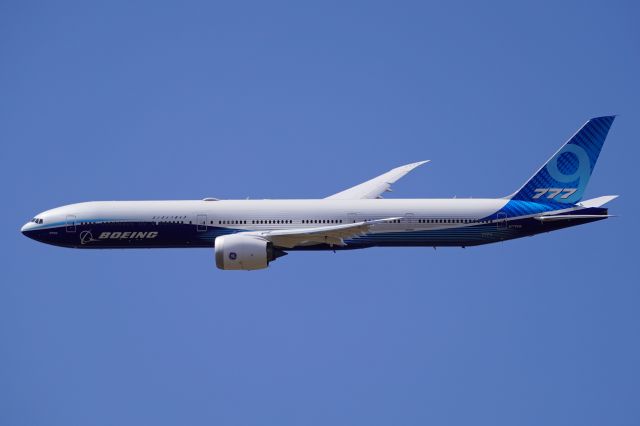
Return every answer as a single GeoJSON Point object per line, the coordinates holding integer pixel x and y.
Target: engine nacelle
{"type": "Point", "coordinates": [244, 252]}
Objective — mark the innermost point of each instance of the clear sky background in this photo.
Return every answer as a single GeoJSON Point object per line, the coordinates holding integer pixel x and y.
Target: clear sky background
{"type": "Point", "coordinates": [152, 100]}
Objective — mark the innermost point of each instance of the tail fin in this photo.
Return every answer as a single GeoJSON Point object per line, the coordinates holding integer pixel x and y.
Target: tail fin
{"type": "Point", "coordinates": [564, 177]}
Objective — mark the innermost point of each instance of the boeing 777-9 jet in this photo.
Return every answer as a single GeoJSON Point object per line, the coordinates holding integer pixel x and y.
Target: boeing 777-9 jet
{"type": "Point", "coordinates": [249, 234]}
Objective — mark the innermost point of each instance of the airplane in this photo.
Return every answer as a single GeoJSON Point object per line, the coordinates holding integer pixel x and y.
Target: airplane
{"type": "Point", "coordinates": [249, 234]}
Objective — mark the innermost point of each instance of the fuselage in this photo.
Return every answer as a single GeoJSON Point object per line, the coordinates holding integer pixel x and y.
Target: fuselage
{"type": "Point", "coordinates": [197, 223]}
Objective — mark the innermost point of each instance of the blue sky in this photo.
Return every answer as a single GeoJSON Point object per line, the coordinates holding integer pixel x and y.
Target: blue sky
{"type": "Point", "coordinates": [155, 100]}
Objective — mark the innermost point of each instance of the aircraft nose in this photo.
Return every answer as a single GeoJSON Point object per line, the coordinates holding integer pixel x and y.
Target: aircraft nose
{"type": "Point", "coordinates": [26, 227]}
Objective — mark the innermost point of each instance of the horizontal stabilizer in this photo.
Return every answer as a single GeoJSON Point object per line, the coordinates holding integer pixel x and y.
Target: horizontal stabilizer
{"type": "Point", "coordinates": [557, 218]}
{"type": "Point", "coordinates": [598, 202]}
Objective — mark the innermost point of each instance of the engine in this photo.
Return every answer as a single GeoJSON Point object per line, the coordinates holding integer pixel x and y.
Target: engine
{"type": "Point", "coordinates": [244, 252]}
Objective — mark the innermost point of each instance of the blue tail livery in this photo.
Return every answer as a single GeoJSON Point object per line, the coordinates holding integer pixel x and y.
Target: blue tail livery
{"type": "Point", "coordinates": [564, 177]}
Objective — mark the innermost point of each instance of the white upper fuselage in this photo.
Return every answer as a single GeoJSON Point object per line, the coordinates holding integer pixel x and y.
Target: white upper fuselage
{"type": "Point", "coordinates": [274, 214]}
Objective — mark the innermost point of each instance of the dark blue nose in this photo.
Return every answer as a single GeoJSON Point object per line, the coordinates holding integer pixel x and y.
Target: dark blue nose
{"type": "Point", "coordinates": [27, 229]}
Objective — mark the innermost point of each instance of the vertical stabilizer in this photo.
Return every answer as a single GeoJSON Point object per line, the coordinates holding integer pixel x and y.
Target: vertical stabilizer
{"type": "Point", "coordinates": [564, 177]}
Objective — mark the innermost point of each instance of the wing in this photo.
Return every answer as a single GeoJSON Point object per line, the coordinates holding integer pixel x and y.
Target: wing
{"type": "Point", "coordinates": [332, 235]}
{"type": "Point", "coordinates": [375, 187]}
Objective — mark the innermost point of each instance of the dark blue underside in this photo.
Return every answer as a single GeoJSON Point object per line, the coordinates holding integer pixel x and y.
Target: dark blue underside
{"type": "Point", "coordinates": [172, 235]}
